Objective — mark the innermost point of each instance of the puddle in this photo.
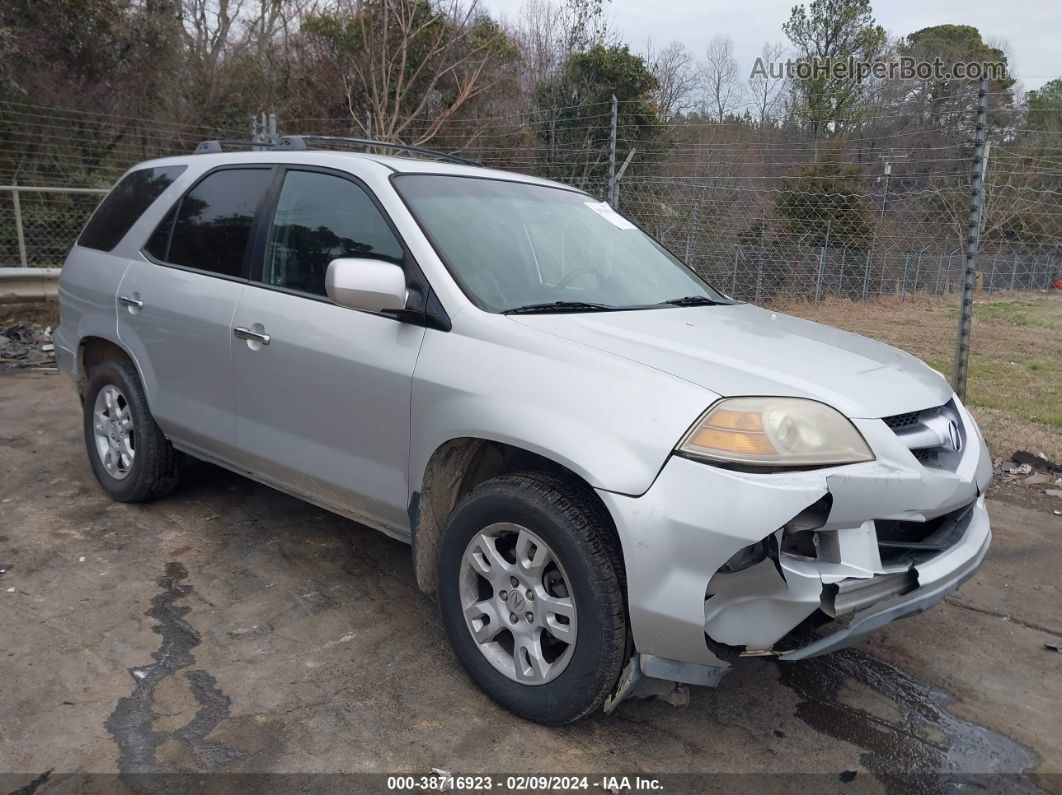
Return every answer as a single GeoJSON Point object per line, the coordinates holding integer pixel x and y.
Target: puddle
{"type": "Point", "coordinates": [911, 741]}
{"type": "Point", "coordinates": [131, 724]}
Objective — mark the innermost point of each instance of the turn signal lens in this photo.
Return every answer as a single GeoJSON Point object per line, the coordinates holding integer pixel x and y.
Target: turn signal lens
{"type": "Point", "coordinates": [734, 441]}
{"type": "Point", "coordinates": [775, 432]}
{"type": "Point", "coordinates": [737, 420]}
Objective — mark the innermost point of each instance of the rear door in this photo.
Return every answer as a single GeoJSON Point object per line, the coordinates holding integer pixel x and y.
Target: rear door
{"type": "Point", "coordinates": [176, 301]}
{"type": "Point", "coordinates": [88, 285]}
{"type": "Point", "coordinates": [324, 405]}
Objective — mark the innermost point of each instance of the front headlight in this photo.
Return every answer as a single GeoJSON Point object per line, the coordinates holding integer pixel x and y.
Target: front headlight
{"type": "Point", "coordinates": [783, 432]}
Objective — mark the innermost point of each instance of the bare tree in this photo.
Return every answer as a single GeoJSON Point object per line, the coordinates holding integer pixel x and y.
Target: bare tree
{"type": "Point", "coordinates": [766, 87]}
{"type": "Point", "coordinates": [585, 24]}
{"type": "Point", "coordinates": [719, 74]}
{"type": "Point", "coordinates": [541, 39]}
{"type": "Point", "coordinates": [548, 32]}
{"type": "Point", "coordinates": [676, 76]}
{"type": "Point", "coordinates": [414, 66]}
{"type": "Point", "coordinates": [211, 30]}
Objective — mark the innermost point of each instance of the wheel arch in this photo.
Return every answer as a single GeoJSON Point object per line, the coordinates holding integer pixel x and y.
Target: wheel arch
{"type": "Point", "coordinates": [455, 468]}
{"type": "Point", "coordinates": [94, 350]}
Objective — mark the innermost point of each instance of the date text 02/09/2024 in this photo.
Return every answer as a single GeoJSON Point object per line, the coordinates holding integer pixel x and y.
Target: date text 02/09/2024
{"type": "Point", "coordinates": [440, 780]}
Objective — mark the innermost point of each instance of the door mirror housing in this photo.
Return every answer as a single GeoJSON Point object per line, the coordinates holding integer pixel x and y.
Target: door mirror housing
{"type": "Point", "coordinates": [371, 285]}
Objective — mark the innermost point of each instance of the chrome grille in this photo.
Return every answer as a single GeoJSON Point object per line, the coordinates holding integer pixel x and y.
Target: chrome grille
{"type": "Point", "coordinates": [927, 435]}
{"type": "Point", "coordinates": [898, 421]}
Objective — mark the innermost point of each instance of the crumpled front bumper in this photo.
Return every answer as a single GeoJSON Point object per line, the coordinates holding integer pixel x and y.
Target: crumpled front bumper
{"type": "Point", "coordinates": [695, 517]}
{"type": "Point", "coordinates": [922, 598]}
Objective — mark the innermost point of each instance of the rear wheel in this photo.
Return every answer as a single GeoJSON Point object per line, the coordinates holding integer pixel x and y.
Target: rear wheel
{"type": "Point", "coordinates": [531, 596]}
{"type": "Point", "coordinates": [129, 454]}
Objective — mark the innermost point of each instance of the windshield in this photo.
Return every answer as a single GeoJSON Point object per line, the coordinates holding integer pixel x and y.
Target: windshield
{"type": "Point", "coordinates": [514, 245]}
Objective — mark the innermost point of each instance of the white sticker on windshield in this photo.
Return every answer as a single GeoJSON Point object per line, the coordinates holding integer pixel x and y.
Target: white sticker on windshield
{"type": "Point", "coordinates": [610, 215]}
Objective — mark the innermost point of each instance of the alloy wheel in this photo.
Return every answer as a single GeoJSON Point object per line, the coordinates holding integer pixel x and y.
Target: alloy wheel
{"type": "Point", "coordinates": [517, 603]}
{"type": "Point", "coordinates": [112, 425]}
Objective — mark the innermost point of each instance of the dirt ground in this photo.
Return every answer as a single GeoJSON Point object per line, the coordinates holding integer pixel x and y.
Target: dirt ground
{"type": "Point", "coordinates": [231, 628]}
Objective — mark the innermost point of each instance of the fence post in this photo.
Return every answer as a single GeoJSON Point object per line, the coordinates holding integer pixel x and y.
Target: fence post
{"type": "Point", "coordinates": [866, 273]}
{"type": "Point", "coordinates": [903, 282]}
{"type": "Point", "coordinates": [19, 233]}
{"type": "Point", "coordinates": [918, 272]}
{"type": "Point", "coordinates": [1014, 270]}
{"type": "Point", "coordinates": [992, 275]}
{"type": "Point", "coordinates": [733, 276]}
{"type": "Point", "coordinates": [940, 267]}
{"type": "Point", "coordinates": [612, 154]}
{"type": "Point", "coordinates": [973, 239]}
{"type": "Point", "coordinates": [761, 253]}
{"type": "Point", "coordinates": [818, 275]}
{"type": "Point", "coordinates": [822, 263]}
{"type": "Point", "coordinates": [692, 230]}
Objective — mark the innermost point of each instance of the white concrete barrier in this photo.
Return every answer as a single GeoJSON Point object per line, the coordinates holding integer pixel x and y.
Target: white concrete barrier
{"type": "Point", "coordinates": [28, 284]}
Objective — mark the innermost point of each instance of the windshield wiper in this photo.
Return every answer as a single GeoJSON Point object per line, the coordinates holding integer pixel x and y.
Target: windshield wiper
{"type": "Point", "coordinates": [561, 306]}
{"type": "Point", "coordinates": [693, 300]}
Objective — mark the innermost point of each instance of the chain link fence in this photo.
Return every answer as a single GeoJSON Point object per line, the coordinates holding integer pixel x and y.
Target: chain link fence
{"type": "Point", "coordinates": [771, 217]}
{"type": "Point", "coordinates": [39, 225]}
{"type": "Point", "coordinates": [775, 246]}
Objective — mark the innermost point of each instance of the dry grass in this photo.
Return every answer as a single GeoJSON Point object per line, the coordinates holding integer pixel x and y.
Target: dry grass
{"type": "Point", "coordinates": [1015, 376]}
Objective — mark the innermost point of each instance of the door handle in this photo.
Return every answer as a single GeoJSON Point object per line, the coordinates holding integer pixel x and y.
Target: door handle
{"type": "Point", "coordinates": [254, 336]}
{"type": "Point", "coordinates": [135, 303]}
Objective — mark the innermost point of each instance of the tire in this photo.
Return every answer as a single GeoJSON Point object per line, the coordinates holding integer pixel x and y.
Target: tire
{"type": "Point", "coordinates": [576, 534]}
{"type": "Point", "coordinates": [154, 468]}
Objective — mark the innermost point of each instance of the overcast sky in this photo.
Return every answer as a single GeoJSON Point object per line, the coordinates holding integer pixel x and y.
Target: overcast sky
{"type": "Point", "coordinates": [1031, 28]}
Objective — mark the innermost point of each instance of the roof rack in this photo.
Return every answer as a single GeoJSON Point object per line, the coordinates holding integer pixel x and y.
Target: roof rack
{"type": "Point", "coordinates": [213, 147]}
{"type": "Point", "coordinates": [301, 142]}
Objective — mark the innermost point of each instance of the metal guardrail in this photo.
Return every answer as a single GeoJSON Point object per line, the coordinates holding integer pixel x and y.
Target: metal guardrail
{"type": "Point", "coordinates": [52, 189]}
{"type": "Point", "coordinates": [18, 285]}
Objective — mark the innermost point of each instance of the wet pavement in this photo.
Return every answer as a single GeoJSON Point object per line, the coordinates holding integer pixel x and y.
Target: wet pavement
{"type": "Point", "coordinates": [132, 724]}
{"type": "Point", "coordinates": [230, 628]}
{"type": "Point", "coordinates": [908, 735]}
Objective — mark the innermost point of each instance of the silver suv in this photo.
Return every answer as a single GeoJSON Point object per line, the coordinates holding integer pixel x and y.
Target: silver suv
{"type": "Point", "coordinates": [613, 477]}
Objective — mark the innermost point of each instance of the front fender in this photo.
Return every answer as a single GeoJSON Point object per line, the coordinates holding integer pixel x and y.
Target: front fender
{"type": "Point", "coordinates": [611, 421]}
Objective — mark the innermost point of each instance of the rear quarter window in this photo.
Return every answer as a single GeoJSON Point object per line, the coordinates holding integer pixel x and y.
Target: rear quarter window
{"type": "Point", "coordinates": [126, 202]}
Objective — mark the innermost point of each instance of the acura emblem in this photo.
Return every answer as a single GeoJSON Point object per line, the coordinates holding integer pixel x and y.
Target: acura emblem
{"type": "Point", "coordinates": [954, 438]}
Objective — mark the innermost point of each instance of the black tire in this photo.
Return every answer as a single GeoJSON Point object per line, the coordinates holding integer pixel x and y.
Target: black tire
{"type": "Point", "coordinates": [578, 531]}
{"type": "Point", "coordinates": [155, 471]}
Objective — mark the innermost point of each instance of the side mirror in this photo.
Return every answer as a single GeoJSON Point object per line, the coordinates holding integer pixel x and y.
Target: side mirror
{"type": "Point", "coordinates": [368, 284]}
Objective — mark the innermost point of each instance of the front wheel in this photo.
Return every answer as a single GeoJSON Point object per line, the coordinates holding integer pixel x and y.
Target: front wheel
{"type": "Point", "coordinates": [531, 596]}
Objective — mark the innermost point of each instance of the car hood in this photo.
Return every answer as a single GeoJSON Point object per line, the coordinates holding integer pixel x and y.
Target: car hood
{"type": "Point", "coordinates": [741, 349]}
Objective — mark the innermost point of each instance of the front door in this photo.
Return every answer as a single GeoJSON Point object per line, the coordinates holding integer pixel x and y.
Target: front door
{"type": "Point", "coordinates": [323, 392]}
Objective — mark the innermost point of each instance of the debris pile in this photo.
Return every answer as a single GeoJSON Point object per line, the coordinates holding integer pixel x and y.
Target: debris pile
{"type": "Point", "coordinates": [26, 346]}
{"type": "Point", "coordinates": [1032, 469]}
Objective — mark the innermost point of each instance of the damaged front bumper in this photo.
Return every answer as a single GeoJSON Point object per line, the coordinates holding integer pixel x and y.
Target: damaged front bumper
{"type": "Point", "coordinates": [850, 548]}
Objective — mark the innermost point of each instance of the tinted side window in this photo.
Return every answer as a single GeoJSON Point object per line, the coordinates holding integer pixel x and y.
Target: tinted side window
{"type": "Point", "coordinates": [158, 244]}
{"type": "Point", "coordinates": [213, 222]}
{"type": "Point", "coordinates": [121, 208]}
{"type": "Point", "coordinates": [321, 217]}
